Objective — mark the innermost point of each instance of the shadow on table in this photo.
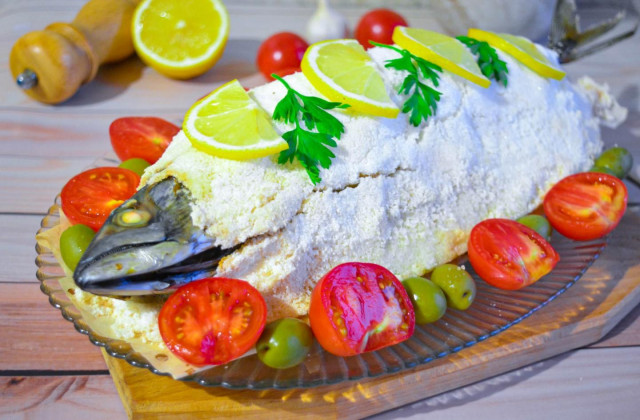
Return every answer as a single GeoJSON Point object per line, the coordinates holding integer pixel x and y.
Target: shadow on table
{"type": "Point", "coordinates": [471, 393]}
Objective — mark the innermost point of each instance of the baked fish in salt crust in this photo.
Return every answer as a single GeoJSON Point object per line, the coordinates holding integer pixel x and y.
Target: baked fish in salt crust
{"type": "Point", "coordinates": [396, 195]}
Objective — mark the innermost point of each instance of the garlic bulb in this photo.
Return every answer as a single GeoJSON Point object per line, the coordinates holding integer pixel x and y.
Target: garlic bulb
{"type": "Point", "coordinates": [326, 23]}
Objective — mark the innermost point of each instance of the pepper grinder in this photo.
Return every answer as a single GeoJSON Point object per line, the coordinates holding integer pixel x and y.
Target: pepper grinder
{"type": "Point", "coordinates": [51, 65]}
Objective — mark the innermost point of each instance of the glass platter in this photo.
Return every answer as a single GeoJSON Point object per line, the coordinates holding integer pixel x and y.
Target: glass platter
{"type": "Point", "coordinates": [492, 312]}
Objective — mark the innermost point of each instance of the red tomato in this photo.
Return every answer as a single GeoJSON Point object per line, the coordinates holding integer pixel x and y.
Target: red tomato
{"type": "Point", "coordinates": [377, 25]}
{"type": "Point", "coordinates": [586, 206]}
{"type": "Point", "coordinates": [90, 196]}
{"type": "Point", "coordinates": [508, 254]}
{"type": "Point", "coordinates": [360, 307]}
{"type": "Point", "coordinates": [212, 321]}
{"type": "Point", "coordinates": [141, 137]}
{"type": "Point", "coordinates": [281, 53]}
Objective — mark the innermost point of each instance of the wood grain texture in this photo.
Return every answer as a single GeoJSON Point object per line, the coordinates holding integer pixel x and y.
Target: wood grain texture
{"type": "Point", "coordinates": [578, 385]}
{"type": "Point", "coordinates": [582, 315]}
{"type": "Point", "coordinates": [62, 397]}
{"type": "Point", "coordinates": [37, 338]}
{"type": "Point", "coordinates": [625, 333]}
{"type": "Point", "coordinates": [17, 248]}
{"type": "Point", "coordinates": [42, 146]}
{"type": "Point", "coordinates": [33, 182]}
{"type": "Point", "coordinates": [64, 56]}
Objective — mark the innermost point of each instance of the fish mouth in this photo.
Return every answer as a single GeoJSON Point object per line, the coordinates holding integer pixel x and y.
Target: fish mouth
{"type": "Point", "coordinates": [149, 245]}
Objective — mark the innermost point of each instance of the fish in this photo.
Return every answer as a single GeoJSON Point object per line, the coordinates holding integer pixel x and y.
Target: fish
{"type": "Point", "coordinates": [400, 196]}
{"type": "Point", "coordinates": [161, 250]}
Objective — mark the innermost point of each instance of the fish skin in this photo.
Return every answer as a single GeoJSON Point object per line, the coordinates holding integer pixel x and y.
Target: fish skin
{"type": "Point", "coordinates": [399, 196]}
{"type": "Point", "coordinates": [153, 257]}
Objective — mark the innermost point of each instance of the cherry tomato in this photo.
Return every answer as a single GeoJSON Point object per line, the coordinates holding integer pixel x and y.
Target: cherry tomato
{"type": "Point", "coordinates": [377, 25]}
{"type": "Point", "coordinates": [89, 197]}
{"type": "Point", "coordinates": [281, 53]}
{"type": "Point", "coordinates": [141, 137]}
{"type": "Point", "coordinates": [508, 254]}
{"type": "Point", "coordinates": [360, 307]}
{"type": "Point", "coordinates": [212, 321]}
{"type": "Point", "coordinates": [586, 206]}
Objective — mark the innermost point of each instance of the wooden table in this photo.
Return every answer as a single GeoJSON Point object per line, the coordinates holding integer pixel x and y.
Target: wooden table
{"type": "Point", "coordinates": [48, 370]}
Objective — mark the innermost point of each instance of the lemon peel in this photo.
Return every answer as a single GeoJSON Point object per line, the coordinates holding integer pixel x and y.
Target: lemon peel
{"type": "Point", "coordinates": [442, 50]}
{"type": "Point", "coordinates": [180, 39]}
{"type": "Point", "coordinates": [342, 71]}
{"type": "Point", "coordinates": [521, 49]}
{"type": "Point", "coordinates": [227, 123]}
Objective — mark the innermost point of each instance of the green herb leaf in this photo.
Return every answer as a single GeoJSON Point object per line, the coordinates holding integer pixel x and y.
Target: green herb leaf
{"type": "Point", "coordinates": [422, 102]}
{"type": "Point", "coordinates": [311, 148]}
{"type": "Point", "coordinates": [488, 60]}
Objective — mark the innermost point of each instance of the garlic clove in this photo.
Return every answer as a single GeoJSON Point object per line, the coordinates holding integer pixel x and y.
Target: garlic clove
{"type": "Point", "coordinates": [326, 23]}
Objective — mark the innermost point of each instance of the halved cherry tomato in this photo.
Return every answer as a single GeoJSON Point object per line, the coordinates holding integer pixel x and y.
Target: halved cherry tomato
{"type": "Point", "coordinates": [586, 206]}
{"type": "Point", "coordinates": [360, 307]}
{"type": "Point", "coordinates": [377, 25]}
{"type": "Point", "coordinates": [508, 254]}
{"type": "Point", "coordinates": [212, 321]}
{"type": "Point", "coordinates": [281, 54]}
{"type": "Point", "coordinates": [90, 196]}
{"type": "Point", "coordinates": [141, 137]}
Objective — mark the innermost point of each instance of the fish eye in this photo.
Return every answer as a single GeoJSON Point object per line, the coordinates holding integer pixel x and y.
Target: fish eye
{"type": "Point", "coordinates": [132, 218]}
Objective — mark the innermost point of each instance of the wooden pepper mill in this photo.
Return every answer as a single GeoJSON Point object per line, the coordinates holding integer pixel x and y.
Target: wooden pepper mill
{"type": "Point", "coordinates": [51, 65]}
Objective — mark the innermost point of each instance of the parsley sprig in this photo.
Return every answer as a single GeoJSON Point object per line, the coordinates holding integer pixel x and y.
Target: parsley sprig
{"type": "Point", "coordinates": [423, 101]}
{"type": "Point", "coordinates": [311, 148]}
{"type": "Point", "coordinates": [488, 61]}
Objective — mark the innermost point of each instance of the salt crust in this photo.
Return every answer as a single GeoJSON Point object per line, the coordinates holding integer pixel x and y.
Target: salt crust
{"type": "Point", "coordinates": [605, 106]}
{"type": "Point", "coordinates": [399, 196]}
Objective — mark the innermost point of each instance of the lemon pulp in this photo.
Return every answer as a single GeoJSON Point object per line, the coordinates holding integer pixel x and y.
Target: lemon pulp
{"type": "Point", "coordinates": [229, 124]}
{"type": "Point", "coordinates": [442, 50]}
{"type": "Point", "coordinates": [180, 39]}
{"type": "Point", "coordinates": [521, 49]}
{"type": "Point", "coordinates": [343, 72]}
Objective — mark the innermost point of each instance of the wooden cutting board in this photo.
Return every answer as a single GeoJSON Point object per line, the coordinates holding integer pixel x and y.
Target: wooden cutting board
{"type": "Point", "coordinates": [582, 315]}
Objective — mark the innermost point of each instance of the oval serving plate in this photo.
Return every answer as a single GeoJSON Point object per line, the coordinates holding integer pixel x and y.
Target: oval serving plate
{"type": "Point", "coordinates": [493, 311]}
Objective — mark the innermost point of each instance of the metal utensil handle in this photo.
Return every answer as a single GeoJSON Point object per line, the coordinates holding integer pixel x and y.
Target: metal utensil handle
{"type": "Point", "coordinates": [571, 43]}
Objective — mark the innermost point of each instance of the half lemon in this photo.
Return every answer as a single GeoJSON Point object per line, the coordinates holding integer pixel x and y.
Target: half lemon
{"type": "Point", "coordinates": [521, 49]}
{"type": "Point", "coordinates": [227, 123]}
{"type": "Point", "coordinates": [343, 72]}
{"type": "Point", "coordinates": [180, 39]}
{"type": "Point", "coordinates": [442, 50]}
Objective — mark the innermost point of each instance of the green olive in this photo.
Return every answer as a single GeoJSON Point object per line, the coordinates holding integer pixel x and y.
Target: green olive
{"type": "Point", "coordinates": [284, 343]}
{"type": "Point", "coordinates": [136, 165]}
{"type": "Point", "coordinates": [602, 170]}
{"type": "Point", "coordinates": [617, 159]}
{"type": "Point", "coordinates": [429, 301]}
{"type": "Point", "coordinates": [538, 223]}
{"type": "Point", "coordinates": [73, 242]}
{"type": "Point", "coordinates": [457, 285]}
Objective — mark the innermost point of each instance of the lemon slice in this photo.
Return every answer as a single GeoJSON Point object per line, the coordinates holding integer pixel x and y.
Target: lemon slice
{"type": "Point", "coordinates": [521, 49]}
{"type": "Point", "coordinates": [442, 50]}
{"type": "Point", "coordinates": [180, 39]}
{"type": "Point", "coordinates": [228, 124]}
{"type": "Point", "coordinates": [343, 72]}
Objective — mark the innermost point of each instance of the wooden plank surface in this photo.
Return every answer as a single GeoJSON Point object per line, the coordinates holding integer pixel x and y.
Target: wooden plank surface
{"type": "Point", "coordinates": [60, 397]}
{"type": "Point", "coordinates": [579, 385]}
{"type": "Point", "coordinates": [550, 389]}
{"type": "Point", "coordinates": [42, 146]}
{"type": "Point", "coordinates": [625, 333]}
{"type": "Point", "coordinates": [17, 245]}
{"type": "Point", "coordinates": [39, 339]}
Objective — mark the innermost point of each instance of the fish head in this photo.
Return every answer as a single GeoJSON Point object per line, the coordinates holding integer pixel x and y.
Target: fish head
{"type": "Point", "coordinates": [147, 245]}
